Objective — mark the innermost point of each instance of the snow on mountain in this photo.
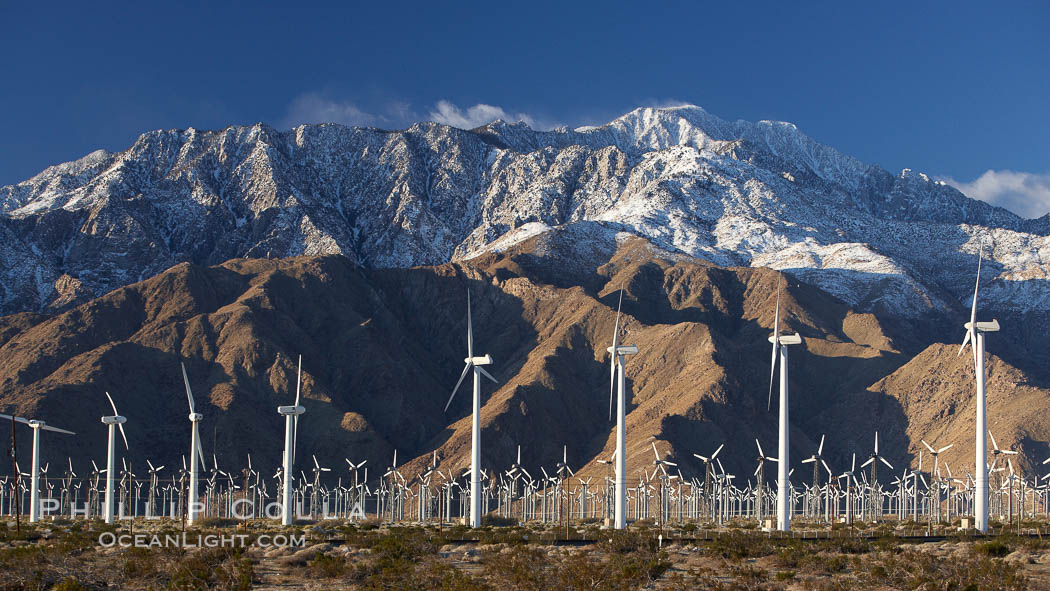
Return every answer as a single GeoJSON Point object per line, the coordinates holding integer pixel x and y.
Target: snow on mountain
{"type": "Point", "coordinates": [735, 193]}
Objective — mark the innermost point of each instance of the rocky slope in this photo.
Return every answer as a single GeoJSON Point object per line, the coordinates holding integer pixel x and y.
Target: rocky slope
{"type": "Point", "coordinates": [382, 348]}
{"type": "Point", "coordinates": [733, 193]}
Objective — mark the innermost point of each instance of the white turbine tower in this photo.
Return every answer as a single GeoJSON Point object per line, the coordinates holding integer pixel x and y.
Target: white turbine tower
{"type": "Point", "coordinates": [195, 451]}
{"type": "Point", "coordinates": [975, 338]}
{"type": "Point", "coordinates": [476, 364]}
{"type": "Point", "coordinates": [291, 431]}
{"type": "Point", "coordinates": [112, 422]}
{"type": "Point", "coordinates": [616, 376]}
{"type": "Point", "coordinates": [780, 343]}
{"type": "Point", "coordinates": [34, 477]}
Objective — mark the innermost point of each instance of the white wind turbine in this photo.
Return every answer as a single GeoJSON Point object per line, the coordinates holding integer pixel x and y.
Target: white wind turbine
{"type": "Point", "coordinates": [291, 431]}
{"type": "Point", "coordinates": [975, 338]}
{"type": "Point", "coordinates": [475, 363]}
{"type": "Point", "coordinates": [195, 451]}
{"type": "Point", "coordinates": [780, 343]}
{"type": "Point", "coordinates": [34, 477]}
{"type": "Point", "coordinates": [112, 423]}
{"type": "Point", "coordinates": [616, 376]}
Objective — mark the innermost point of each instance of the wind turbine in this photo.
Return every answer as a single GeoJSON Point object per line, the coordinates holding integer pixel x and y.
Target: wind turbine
{"type": "Point", "coordinates": [874, 482]}
{"type": "Point", "coordinates": [760, 477]}
{"type": "Point", "coordinates": [780, 343]}
{"type": "Point", "coordinates": [195, 451]}
{"type": "Point", "coordinates": [975, 338]}
{"type": "Point", "coordinates": [475, 363]}
{"type": "Point", "coordinates": [937, 475]}
{"type": "Point", "coordinates": [112, 423]}
{"type": "Point", "coordinates": [616, 376]}
{"type": "Point", "coordinates": [34, 477]}
{"type": "Point", "coordinates": [291, 431]}
{"type": "Point", "coordinates": [817, 460]}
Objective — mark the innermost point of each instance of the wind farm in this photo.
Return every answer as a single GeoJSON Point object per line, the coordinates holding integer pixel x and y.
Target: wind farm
{"type": "Point", "coordinates": [701, 490]}
{"type": "Point", "coordinates": [628, 477]}
{"type": "Point", "coordinates": [522, 344]}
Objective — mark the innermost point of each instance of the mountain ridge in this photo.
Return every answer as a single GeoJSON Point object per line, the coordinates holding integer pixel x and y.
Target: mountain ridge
{"type": "Point", "coordinates": [734, 193]}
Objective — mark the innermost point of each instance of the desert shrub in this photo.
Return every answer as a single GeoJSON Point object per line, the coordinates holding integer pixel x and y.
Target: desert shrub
{"type": "Point", "coordinates": [69, 584]}
{"type": "Point", "coordinates": [912, 569]}
{"type": "Point", "coordinates": [996, 548]}
{"type": "Point", "coordinates": [216, 523]}
{"type": "Point", "coordinates": [326, 566]}
{"type": "Point", "coordinates": [790, 555]}
{"type": "Point", "coordinates": [748, 574]}
{"type": "Point", "coordinates": [140, 563]}
{"type": "Point", "coordinates": [736, 546]}
{"type": "Point", "coordinates": [220, 568]}
{"type": "Point", "coordinates": [522, 568]}
{"type": "Point", "coordinates": [497, 521]}
{"type": "Point", "coordinates": [403, 543]}
{"type": "Point", "coordinates": [623, 541]}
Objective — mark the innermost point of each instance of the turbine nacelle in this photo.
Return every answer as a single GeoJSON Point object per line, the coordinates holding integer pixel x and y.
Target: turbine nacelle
{"type": "Point", "coordinates": [114, 420]}
{"type": "Point", "coordinates": [787, 339]}
{"type": "Point", "coordinates": [486, 360]}
{"type": "Point", "coordinates": [992, 326]}
{"type": "Point", "coordinates": [290, 410]}
{"type": "Point", "coordinates": [38, 424]}
{"type": "Point", "coordinates": [196, 417]}
{"type": "Point", "coordinates": [623, 350]}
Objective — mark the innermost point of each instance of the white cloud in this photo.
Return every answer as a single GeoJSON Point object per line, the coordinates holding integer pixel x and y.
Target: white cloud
{"type": "Point", "coordinates": [480, 114]}
{"type": "Point", "coordinates": [1024, 193]}
{"type": "Point", "coordinates": [312, 107]}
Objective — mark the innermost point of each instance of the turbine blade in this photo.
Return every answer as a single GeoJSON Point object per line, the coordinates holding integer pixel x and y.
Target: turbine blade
{"type": "Point", "coordinates": [466, 368]}
{"type": "Point", "coordinates": [123, 435]}
{"type": "Point", "coordinates": [115, 413]}
{"type": "Point", "coordinates": [200, 451]}
{"type": "Point", "coordinates": [932, 451]}
{"type": "Point", "coordinates": [486, 374]}
{"type": "Point", "coordinates": [760, 454]}
{"type": "Point", "coordinates": [885, 462]}
{"type": "Point", "coordinates": [994, 445]}
{"type": "Point", "coordinates": [717, 450]}
{"type": "Point", "coordinates": [977, 285]}
{"type": "Point", "coordinates": [820, 448]}
{"type": "Point", "coordinates": [295, 435]}
{"type": "Point", "coordinates": [615, 344]}
{"type": "Point", "coordinates": [876, 443]}
{"type": "Point", "coordinates": [966, 340]}
{"type": "Point", "coordinates": [470, 331]}
{"type": "Point", "coordinates": [189, 392]}
{"type": "Point", "coordinates": [299, 380]}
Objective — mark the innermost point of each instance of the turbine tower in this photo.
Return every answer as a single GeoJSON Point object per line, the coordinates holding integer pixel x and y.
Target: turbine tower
{"type": "Point", "coordinates": [112, 422]}
{"type": "Point", "coordinates": [475, 363]}
{"type": "Point", "coordinates": [616, 376]}
{"type": "Point", "coordinates": [780, 343]}
{"type": "Point", "coordinates": [975, 338]}
{"type": "Point", "coordinates": [195, 451]}
{"type": "Point", "coordinates": [291, 431]}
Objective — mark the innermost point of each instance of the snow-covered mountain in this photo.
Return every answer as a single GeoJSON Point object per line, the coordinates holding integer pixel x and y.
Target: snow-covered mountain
{"type": "Point", "coordinates": [735, 193]}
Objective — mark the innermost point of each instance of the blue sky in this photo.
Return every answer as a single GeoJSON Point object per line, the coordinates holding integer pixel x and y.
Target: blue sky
{"type": "Point", "coordinates": [955, 89]}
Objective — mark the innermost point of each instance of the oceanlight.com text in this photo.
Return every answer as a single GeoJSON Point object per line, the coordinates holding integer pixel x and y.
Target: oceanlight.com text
{"type": "Point", "coordinates": [110, 539]}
